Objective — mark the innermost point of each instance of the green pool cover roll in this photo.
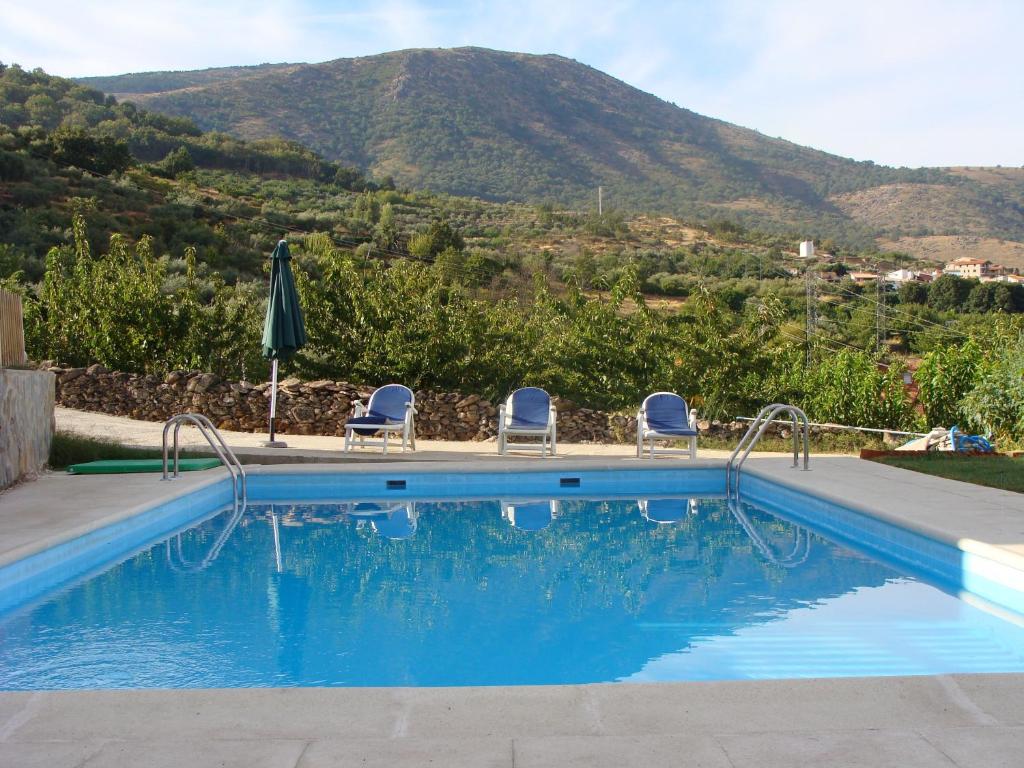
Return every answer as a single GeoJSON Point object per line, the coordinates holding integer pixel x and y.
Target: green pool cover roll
{"type": "Point", "coordinates": [121, 466]}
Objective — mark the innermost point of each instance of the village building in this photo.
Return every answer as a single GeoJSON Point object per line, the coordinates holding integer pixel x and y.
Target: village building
{"type": "Point", "coordinates": [862, 277]}
{"type": "Point", "coordinates": [969, 268]}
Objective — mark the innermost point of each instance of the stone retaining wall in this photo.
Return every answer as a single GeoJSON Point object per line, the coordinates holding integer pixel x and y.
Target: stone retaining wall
{"type": "Point", "coordinates": [26, 423]}
{"type": "Point", "coordinates": [320, 407]}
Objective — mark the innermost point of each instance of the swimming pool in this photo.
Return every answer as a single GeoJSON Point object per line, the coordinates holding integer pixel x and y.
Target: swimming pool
{"type": "Point", "coordinates": [496, 579]}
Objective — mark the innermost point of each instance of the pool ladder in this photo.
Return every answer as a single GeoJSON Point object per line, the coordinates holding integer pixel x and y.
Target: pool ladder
{"type": "Point", "coordinates": [756, 430]}
{"type": "Point", "coordinates": [801, 542]}
{"type": "Point", "coordinates": [216, 440]}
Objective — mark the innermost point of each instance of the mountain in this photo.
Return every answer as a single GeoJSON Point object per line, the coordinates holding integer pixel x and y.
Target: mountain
{"type": "Point", "coordinates": [511, 126]}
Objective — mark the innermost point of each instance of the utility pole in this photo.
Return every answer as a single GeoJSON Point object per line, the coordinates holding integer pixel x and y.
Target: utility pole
{"type": "Point", "coordinates": [600, 207]}
{"type": "Point", "coordinates": [811, 325]}
{"type": "Point", "coordinates": [879, 311]}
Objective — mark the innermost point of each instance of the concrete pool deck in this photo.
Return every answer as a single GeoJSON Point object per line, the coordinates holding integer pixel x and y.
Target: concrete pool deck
{"type": "Point", "coordinates": [954, 720]}
{"type": "Point", "coordinates": [320, 448]}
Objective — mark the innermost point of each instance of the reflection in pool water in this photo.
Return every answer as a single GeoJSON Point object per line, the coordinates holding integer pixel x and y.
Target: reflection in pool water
{"type": "Point", "coordinates": [530, 591]}
{"type": "Point", "coordinates": [530, 515]}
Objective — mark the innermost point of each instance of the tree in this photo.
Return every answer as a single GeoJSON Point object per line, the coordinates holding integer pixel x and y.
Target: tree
{"type": "Point", "coordinates": [948, 293]}
{"type": "Point", "coordinates": [1005, 298]}
{"type": "Point", "coordinates": [12, 166]}
{"type": "Point", "coordinates": [43, 110]}
{"type": "Point", "coordinates": [386, 232]}
{"type": "Point", "coordinates": [350, 178]}
{"type": "Point", "coordinates": [366, 209]}
{"type": "Point", "coordinates": [913, 292]}
{"type": "Point", "coordinates": [439, 237]}
{"type": "Point", "coordinates": [75, 146]}
{"type": "Point", "coordinates": [177, 162]}
{"type": "Point", "coordinates": [979, 299]}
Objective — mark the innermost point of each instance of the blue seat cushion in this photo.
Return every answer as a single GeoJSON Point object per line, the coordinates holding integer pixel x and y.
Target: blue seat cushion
{"type": "Point", "coordinates": [665, 429]}
{"type": "Point", "coordinates": [372, 419]}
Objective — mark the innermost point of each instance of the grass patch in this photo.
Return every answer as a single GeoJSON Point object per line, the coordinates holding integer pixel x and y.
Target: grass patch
{"type": "Point", "coordinates": [992, 471]}
{"type": "Point", "coordinates": [69, 448]}
{"type": "Point", "coordinates": [843, 442]}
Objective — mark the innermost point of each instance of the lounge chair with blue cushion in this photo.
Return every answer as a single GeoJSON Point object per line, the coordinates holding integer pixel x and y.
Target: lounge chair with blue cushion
{"type": "Point", "coordinates": [528, 412]}
{"type": "Point", "coordinates": [533, 515]}
{"type": "Point", "coordinates": [391, 409]}
{"type": "Point", "coordinates": [665, 416]}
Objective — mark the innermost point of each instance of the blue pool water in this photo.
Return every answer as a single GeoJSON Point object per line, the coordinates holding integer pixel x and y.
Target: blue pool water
{"type": "Point", "coordinates": [411, 593]}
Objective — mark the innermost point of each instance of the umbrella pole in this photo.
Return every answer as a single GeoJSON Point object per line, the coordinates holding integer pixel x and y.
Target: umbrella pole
{"type": "Point", "coordinates": [273, 398]}
{"type": "Point", "coordinates": [273, 443]}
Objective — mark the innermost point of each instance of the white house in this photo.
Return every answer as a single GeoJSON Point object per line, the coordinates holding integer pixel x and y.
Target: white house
{"type": "Point", "coordinates": [900, 276]}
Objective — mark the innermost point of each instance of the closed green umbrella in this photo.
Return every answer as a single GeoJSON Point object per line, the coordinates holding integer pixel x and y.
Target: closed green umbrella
{"type": "Point", "coordinates": [284, 333]}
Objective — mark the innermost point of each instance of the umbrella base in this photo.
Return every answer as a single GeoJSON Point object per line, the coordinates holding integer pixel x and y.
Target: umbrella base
{"type": "Point", "coordinates": [274, 444]}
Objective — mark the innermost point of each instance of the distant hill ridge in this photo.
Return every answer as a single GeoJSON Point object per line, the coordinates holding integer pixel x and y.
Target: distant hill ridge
{"type": "Point", "coordinates": [513, 126]}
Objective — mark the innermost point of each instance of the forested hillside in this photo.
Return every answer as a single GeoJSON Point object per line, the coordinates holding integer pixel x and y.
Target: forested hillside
{"type": "Point", "coordinates": [509, 126]}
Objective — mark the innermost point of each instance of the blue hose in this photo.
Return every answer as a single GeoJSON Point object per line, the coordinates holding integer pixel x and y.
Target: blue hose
{"type": "Point", "coordinates": [963, 443]}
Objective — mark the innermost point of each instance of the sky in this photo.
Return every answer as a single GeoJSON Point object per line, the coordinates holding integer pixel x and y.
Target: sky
{"type": "Point", "coordinates": [899, 82]}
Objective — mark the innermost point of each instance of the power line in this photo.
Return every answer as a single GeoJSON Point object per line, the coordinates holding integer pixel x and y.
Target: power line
{"type": "Point", "coordinates": [910, 318]}
{"type": "Point", "coordinates": [822, 340]}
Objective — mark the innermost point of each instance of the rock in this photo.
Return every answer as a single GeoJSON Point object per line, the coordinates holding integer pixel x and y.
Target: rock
{"type": "Point", "coordinates": [96, 369]}
{"type": "Point", "coordinates": [302, 414]}
{"type": "Point", "coordinates": [318, 407]}
{"type": "Point", "coordinates": [201, 383]}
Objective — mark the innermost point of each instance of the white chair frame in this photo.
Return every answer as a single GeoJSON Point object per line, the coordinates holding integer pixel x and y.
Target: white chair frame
{"type": "Point", "coordinates": [407, 428]}
{"type": "Point", "coordinates": [692, 507]}
{"type": "Point", "coordinates": [508, 508]}
{"type": "Point", "coordinates": [548, 434]}
{"type": "Point", "coordinates": [645, 434]}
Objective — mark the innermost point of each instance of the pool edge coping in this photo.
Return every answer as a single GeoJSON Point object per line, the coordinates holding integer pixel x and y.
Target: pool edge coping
{"type": "Point", "coordinates": [197, 481]}
{"type": "Point", "coordinates": [967, 545]}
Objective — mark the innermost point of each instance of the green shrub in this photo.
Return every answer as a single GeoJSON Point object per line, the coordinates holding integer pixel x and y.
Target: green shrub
{"type": "Point", "coordinates": [945, 376]}
{"type": "Point", "coordinates": [995, 404]}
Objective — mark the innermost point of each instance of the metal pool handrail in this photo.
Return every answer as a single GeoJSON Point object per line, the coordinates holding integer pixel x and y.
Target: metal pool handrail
{"type": "Point", "coordinates": [757, 429]}
{"type": "Point", "coordinates": [220, 447]}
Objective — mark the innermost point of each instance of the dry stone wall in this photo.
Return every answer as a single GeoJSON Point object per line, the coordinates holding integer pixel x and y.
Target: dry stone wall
{"type": "Point", "coordinates": [26, 423]}
{"type": "Point", "coordinates": [317, 407]}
